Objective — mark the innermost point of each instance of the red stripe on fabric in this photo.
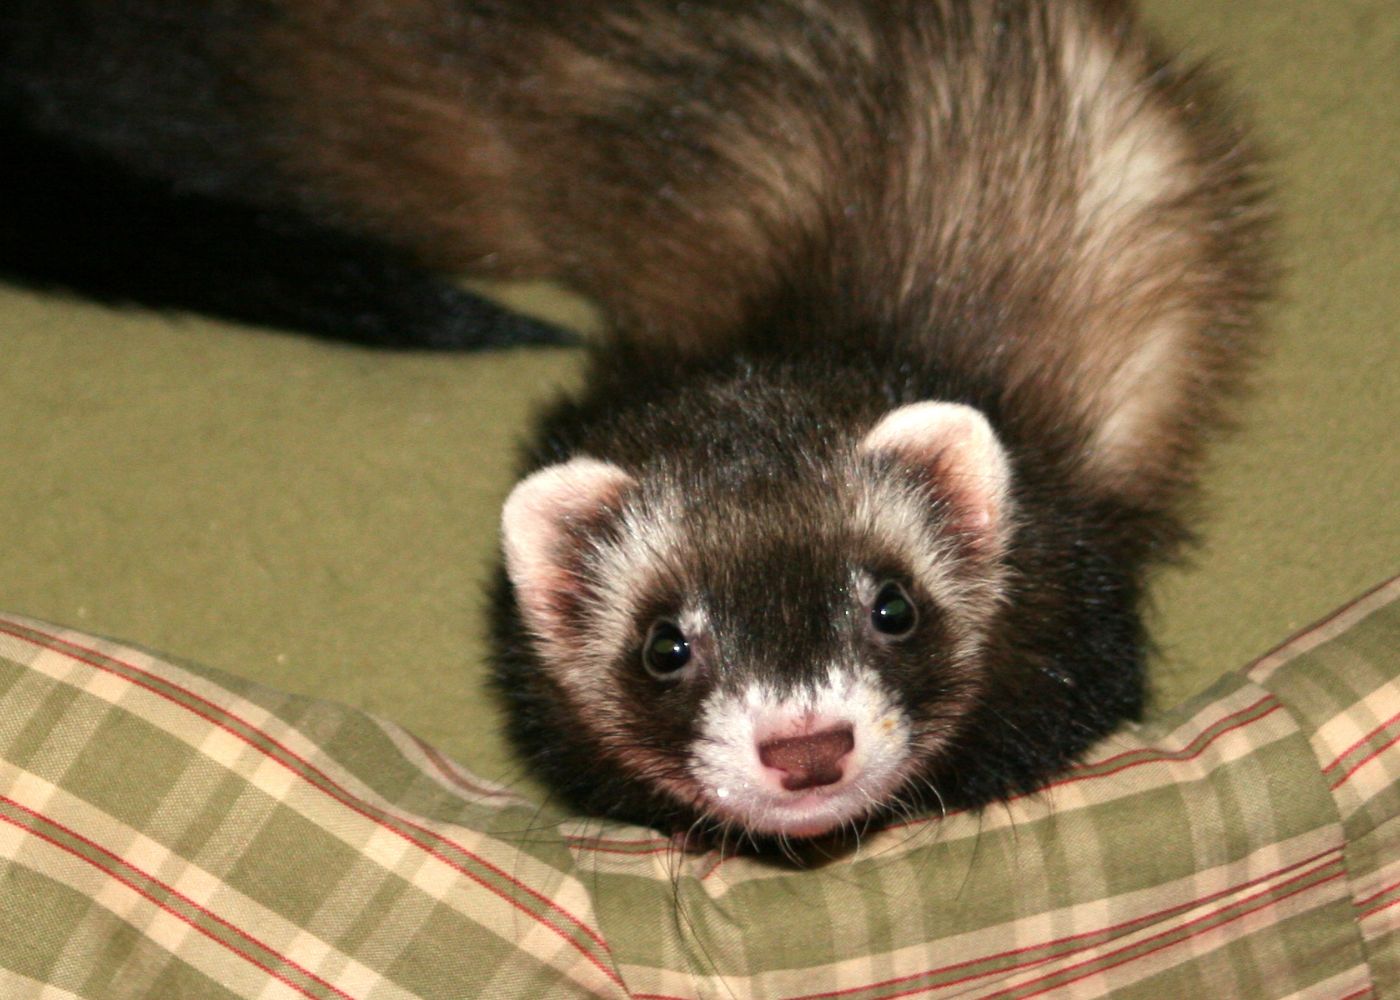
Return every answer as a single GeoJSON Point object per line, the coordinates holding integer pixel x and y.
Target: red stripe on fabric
{"type": "Point", "coordinates": [441, 765]}
{"type": "Point", "coordinates": [1159, 755]}
{"type": "Point", "coordinates": [1377, 895]}
{"type": "Point", "coordinates": [1379, 909]}
{"type": "Point", "coordinates": [1365, 991]}
{"type": "Point", "coordinates": [344, 798]}
{"type": "Point", "coordinates": [1359, 743]}
{"type": "Point", "coordinates": [1364, 761]}
{"type": "Point", "coordinates": [1174, 757]}
{"type": "Point", "coordinates": [111, 873]}
{"type": "Point", "coordinates": [1148, 918]}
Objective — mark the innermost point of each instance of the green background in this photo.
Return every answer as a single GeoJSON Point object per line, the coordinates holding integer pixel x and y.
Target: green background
{"type": "Point", "coordinates": [323, 518]}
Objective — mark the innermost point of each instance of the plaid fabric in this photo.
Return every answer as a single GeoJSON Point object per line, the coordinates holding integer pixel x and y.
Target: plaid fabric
{"type": "Point", "coordinates": [166, 831]}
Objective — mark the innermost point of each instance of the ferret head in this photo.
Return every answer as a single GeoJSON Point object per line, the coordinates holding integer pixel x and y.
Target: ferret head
{"type": "Point", "coordinates": [779, 644]}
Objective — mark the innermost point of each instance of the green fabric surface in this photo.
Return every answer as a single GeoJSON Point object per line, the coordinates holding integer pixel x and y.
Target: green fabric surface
{"type": "Point", "coordinates": [172, 832]}
{"type": "Point", "coordinates": [323, 518]}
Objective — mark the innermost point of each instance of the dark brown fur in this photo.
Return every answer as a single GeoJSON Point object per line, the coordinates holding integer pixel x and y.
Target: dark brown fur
{"type": "Point", "coordinates": [1019, 204]}
{"type": "Point", "coordinates": [696, 167]}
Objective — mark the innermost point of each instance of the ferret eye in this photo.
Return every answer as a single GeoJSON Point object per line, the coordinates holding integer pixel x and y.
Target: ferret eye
{"type": "Point", "coordinates": [893, 613]}
{"type": "Point", "coordinates": [666, 651]}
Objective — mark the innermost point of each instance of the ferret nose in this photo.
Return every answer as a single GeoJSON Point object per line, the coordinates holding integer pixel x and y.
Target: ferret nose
{"type": "Point", "coordinates": [811, 760]}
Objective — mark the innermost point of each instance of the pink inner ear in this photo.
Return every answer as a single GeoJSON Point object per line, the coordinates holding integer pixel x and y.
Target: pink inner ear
{"type": "Point", "coordinates": [537, 533]}
{"type": "Point", "coordinates": [961, 456]}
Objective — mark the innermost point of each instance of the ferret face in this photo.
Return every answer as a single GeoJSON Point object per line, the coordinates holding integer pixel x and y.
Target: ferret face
{"type": "Point", "coordinates": [784, 653]}
{"type": "Point", "coordinates": [816, 693]}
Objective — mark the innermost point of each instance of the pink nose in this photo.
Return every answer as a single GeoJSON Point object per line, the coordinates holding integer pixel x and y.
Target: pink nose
{"type": "Point", "coordinates": [811, 760]}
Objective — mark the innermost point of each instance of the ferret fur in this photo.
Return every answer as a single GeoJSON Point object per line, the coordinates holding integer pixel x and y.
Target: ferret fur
{"type": "Point", "coordinates": [948, 292]}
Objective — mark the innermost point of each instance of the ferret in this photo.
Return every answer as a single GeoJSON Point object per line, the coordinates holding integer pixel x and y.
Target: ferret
{"type": "Point", "coordinates": [920, 313]}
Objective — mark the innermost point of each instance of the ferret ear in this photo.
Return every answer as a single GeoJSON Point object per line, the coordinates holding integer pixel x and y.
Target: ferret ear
{"type": "Point", "coordinates": [958, 453]}
{"type": "Point", "coordinates": [541, 526]}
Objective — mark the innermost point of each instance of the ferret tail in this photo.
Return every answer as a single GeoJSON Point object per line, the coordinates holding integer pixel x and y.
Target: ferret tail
{"type": "Point", "coordinates": [72, 220]}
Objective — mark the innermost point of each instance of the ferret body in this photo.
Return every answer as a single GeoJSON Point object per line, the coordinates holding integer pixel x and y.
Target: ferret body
{"type": "Point", "coordinates": [920, 315]}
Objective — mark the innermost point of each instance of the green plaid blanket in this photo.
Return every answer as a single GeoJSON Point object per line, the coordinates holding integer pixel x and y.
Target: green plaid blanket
{"type": "Point", "coordinates": [166, 831]}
